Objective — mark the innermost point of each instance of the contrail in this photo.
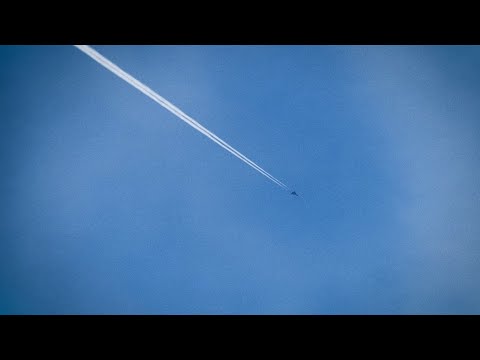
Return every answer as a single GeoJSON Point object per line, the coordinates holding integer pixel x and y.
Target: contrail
{"type": "Point", "coordinates": [173, 109]}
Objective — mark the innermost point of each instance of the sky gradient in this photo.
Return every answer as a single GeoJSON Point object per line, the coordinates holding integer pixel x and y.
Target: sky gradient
{"type": "Point", "coordinates": [112, 205]}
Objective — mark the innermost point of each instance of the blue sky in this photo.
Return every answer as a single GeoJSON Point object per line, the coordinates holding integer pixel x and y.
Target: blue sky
{"type": "Point", "coordinates": [112, 205]}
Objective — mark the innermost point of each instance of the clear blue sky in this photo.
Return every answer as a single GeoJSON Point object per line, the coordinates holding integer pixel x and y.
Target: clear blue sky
{"type": "Point", "coordinates": [112, 205]}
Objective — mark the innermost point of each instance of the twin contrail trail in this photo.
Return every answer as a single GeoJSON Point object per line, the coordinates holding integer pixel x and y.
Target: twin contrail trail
{"type": "Point", "coordinates": [173, 109]}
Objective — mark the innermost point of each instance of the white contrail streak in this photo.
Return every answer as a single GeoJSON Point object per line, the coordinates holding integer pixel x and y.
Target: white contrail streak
{"type": "Point", "coordinates": [173, 109]}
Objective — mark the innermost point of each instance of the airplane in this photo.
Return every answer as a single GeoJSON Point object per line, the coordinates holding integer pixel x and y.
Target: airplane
{"type": "Point", "coordinates": [293, 193]}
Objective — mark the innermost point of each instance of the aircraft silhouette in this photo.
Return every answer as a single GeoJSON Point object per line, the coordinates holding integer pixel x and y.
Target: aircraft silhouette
{"type": "Point", "coordinates": [293, 193]}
